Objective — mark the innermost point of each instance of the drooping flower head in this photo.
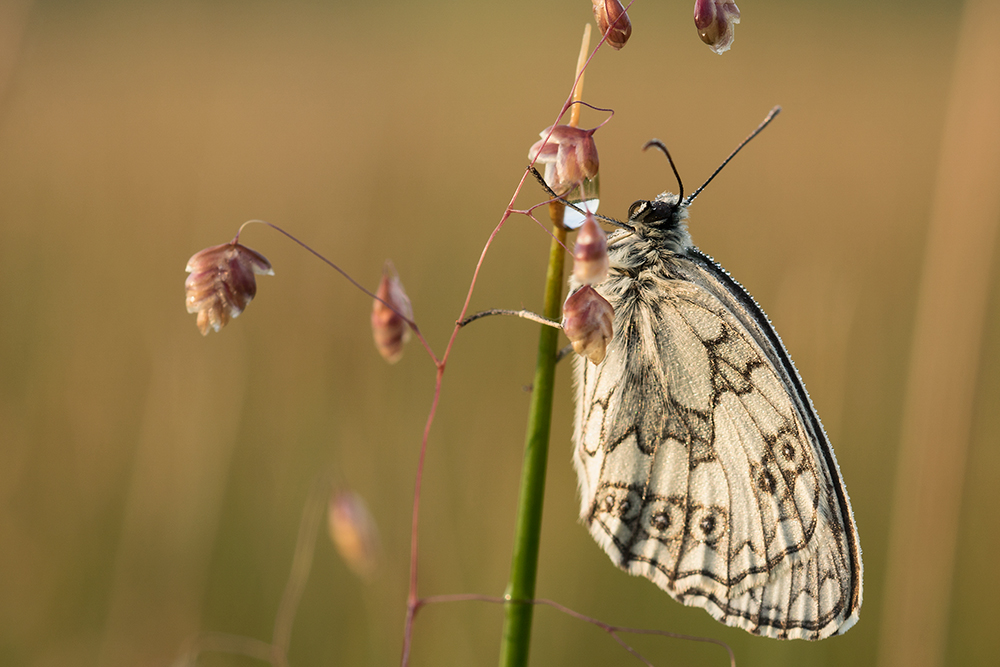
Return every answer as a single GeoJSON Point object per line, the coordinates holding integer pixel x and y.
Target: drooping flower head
{"type": "Point", "coordinates": [590, 255]}
{"type": "Point", "coordinates": [389, 328]}
{"type": "Point", "coordinates": [588, 322]}
{"type": "Point", "coordinates": [606, 12]}
{"type": "Point", "coordinates": [222, 283]}
{"type": "Point", "coordinates": [715, 20]}
{"type": "Point", "coordinates": [569, 156]}
{"type": "Point", "coordinates": [353, 532]}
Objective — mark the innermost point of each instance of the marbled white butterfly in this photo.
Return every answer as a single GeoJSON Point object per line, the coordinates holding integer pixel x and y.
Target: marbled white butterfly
{"type": "Point", "coordinates": [702, 463]}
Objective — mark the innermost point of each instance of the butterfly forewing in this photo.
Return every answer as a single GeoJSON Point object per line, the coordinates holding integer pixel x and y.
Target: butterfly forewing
{"type": "Point", "coordinates": [702, 464]}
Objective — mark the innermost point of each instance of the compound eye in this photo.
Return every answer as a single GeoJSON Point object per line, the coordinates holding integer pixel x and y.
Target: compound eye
{"type": "Point", "coordinates": [637, 208]}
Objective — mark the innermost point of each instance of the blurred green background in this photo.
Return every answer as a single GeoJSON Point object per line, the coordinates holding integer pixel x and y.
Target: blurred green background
{"type": "Point", "coordinates": [152, 481]}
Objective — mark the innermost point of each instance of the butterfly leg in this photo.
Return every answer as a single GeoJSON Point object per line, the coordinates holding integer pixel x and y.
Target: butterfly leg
{"type": "Point", "coordinates": [526, 314]}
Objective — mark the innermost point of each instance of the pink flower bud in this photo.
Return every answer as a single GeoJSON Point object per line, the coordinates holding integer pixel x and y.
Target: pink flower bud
{"type": "Point", "coordinates": [590, 256]}
{"type": "Point", "coordinates": [353, 532]}
{"type": "Point", "coordinates": [715, 20]}
{"type": "Point", "coordinates": [588, 322]}
{"type": "Point", "coordinates": [222, 283]}
{"type": "Point", "coordinates": [389, 328]}
{"type": "Point", "coordinates": [606, 12]}
{"type": "Point", "coordinates": [569, 156]}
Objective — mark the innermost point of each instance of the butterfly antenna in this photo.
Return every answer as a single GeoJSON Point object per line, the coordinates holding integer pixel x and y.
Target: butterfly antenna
{"type": "Point", "coordinates": [767, 121]}
{"type": "Point", "coordinates": [552, 193]}
{"type": "Point", "coordinates": [659, 144]}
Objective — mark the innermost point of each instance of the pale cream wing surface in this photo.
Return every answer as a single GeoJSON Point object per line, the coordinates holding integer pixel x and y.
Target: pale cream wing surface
{"type": "Point", "coordinates": [700, 464]}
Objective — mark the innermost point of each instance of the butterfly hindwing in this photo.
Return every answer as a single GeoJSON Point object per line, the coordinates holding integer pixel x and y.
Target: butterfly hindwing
{"type": "Point", "coordinates": [702, 464]}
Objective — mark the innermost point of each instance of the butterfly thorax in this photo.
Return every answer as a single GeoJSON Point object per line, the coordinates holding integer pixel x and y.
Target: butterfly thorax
{"type": "Point", "coordinates": [660, 231]}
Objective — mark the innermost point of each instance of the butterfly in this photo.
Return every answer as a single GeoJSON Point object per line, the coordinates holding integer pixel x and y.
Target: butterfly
{"type": "Point", "coordinates": [702, 463]}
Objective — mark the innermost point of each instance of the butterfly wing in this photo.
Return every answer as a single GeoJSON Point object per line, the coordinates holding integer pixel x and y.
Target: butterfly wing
{"type": "Point", "coordinates": [702, 464]}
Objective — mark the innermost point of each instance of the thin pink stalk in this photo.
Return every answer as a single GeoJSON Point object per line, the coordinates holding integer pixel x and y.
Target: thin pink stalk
{"type": "Point", "coordinates": [612, 630]}
{"type": "Point", "coordinates": [411, 323]}
{"type": "Point", "coordinates": [529, 213]}
{"type": "Point", "coordinates": [604, 38]}
{"type": "Point", "coordinates": [412, 603]}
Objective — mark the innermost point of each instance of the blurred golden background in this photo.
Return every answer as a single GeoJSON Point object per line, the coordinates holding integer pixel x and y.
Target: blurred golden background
{"type": "Point", "coordinates": [152, 481]}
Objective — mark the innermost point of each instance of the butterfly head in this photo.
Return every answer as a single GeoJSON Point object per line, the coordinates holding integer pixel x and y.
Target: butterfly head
{"type": "Point", "coordinates": [662, 220]}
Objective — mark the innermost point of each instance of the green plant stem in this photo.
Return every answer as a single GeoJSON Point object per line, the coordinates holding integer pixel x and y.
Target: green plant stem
{"type": "Point", "coordinates": [516, 641]}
